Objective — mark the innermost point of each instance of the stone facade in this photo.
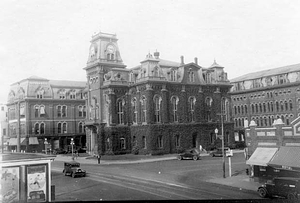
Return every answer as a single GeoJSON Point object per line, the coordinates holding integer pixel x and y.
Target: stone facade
{"type": "Point", "coordinates": [40, 109]}
{"type": "Point", "coordinates": [156, 107]}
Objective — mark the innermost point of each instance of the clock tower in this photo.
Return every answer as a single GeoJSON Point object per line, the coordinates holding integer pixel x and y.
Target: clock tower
{"type": "Point", "coordinates": [104, 66]}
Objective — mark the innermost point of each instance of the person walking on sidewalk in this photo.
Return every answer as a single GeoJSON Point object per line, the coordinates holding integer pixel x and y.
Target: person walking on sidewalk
{"type": "Point", "coordinates": [98, 158]}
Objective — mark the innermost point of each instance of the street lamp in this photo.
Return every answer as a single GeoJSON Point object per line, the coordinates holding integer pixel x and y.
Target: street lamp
{"type": "Point", "coordinates": [72, 143]}
{"type": "Point", "coordinates": [45, 143]}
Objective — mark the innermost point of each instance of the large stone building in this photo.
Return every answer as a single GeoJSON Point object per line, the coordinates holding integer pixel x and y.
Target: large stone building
{"type": "Point", "coordinates": [156, 107]}
{"type": "Point", "coordinates": [265, 96]}
{"type": "Point", "coordinates": [45, 113]}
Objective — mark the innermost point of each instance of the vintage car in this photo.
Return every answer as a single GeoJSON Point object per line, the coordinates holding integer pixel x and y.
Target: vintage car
{"type": "Point", "coordinates": [73, 169]}
{"type": "Point", "coordinates": [218, 152]}
{"type": "Point", "coordinates": [286, 187]}
{"type": "Point", "coordinates": [189, 154]}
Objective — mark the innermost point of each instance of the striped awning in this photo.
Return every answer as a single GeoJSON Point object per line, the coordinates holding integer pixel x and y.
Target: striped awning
{"type": "Point", "coordinates": [261, 156]}
{"type": "Point", "coordinates": [33, 141]}
{"type": "Point", "coordinates": [14, 141]}
{"type": "Point", "coordinates": [286, 158]}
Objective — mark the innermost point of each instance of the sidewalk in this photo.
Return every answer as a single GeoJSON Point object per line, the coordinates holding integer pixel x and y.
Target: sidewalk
{"type": "Point", "coordinates": [241, 181]}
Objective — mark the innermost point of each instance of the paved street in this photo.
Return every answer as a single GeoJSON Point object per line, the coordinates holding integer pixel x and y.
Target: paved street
{"type": "Point", "coordinates": [159, 180]}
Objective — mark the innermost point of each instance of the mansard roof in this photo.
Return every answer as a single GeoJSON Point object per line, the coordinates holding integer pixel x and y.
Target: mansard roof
{"type": "Point", "coordinates": [162, 62]}
{"type": "Point", "coordinates": [66, 83]}
{"type": "Point", "coordinates": [269, 72]}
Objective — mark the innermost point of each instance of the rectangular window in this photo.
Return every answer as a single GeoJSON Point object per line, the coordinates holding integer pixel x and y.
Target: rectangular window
{"type": "Point", "coordinates": [4, 132]}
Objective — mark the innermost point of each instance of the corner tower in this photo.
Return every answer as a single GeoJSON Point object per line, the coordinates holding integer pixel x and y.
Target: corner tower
{"type": "Point", "coordinates": [103, 59]}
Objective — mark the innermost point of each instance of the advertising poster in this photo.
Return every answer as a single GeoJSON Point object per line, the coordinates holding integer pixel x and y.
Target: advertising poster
{"type": "Point", "coordinates": [10, 179]}
{"type": "Point", "coordinates": [36, 183]}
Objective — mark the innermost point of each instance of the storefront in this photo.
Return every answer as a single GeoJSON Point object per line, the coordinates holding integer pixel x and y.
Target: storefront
{"type": "Point", "coordinates": [286, 162]}
{"type": "Point", "coordinates": [25, 177]}
{"type": "Point", "coordinates": [258, 162]}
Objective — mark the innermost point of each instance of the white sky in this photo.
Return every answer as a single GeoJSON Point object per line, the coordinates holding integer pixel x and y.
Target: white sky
{"type": "Point", "coordinates": [51, 38]}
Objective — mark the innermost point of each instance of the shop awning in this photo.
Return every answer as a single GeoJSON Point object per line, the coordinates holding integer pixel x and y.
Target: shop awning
{"type": "Point", "coordinates": [33, 140]}
{"type": "Point", "coordinates": [286, 158]}
{"type": "Point", "coordinates": [14, 141]}
{"type": "Point", "coordinates": [261, 156]}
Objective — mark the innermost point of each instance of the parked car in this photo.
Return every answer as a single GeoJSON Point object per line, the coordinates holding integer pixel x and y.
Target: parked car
{"type": "Point", "coordinates": [189, 154]}
{"type": "Point", "coordinates": [287, 187]}
{"type": "Point", "coordinates": [73, 169]}
{"type": "Point", "coordinates": [218, 152]}
{"type": "Point", "coordinates": [59, 151]}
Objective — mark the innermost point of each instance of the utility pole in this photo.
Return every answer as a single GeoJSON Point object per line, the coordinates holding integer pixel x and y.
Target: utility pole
{"type": "Point", "coordinates": [19, 128]}
{"type": "Point", "coordinates": [222, 131]}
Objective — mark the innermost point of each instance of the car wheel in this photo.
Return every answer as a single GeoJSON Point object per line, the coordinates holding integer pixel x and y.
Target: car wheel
{"type": "Point", "coordinates": [262, 192]}
{"type": "Point", "coordinates": [73, 175]}
{"type": "Point", "coordinates": [195, 158]}
{"type": "Point", "coordinates": [179, 157]}
{"type": "Point", "coordinates": [291, 196]}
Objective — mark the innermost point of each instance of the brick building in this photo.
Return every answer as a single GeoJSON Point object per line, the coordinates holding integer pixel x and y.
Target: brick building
{"type": "Point", "coordinates": [3, 127]}
{"type": "Point", "coordinates": [42, 110]}
{"type": "Point", "coordinates": [265, 96]}
{"type": "Point", "coordinates": [273, 151]}
{"type": "Point", "coordinates": [156, 107]}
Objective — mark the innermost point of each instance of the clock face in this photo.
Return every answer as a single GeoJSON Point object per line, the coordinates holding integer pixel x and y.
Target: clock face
{"type": "Point", "coordinates": [110, 49]}
{"type": "Point", "coordinates": [92, 51]}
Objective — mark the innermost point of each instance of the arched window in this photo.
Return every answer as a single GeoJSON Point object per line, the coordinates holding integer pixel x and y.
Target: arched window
{"type": "Point", "coordinates": [281, 106]}
{"type": "Point", "coordinates": [286, 105]}
{"type": "Point", "coordinates": [36, 128]}
{"type": "Point", "coordinates": [144, 109]}
{"type": "Point", "coordinates": [42, 128]}
{"type": "Point", "coordinates": [277, 106]}
{"type": "Point", "coordinates": [64, 127]}
{"type": "Point", "coordinates": [208, 102]}
{"type": "Point", "coordinates": [291, 105]}
{"type": "Point", "coordinates": [192, 102]}
{"type": "Point", "coordinates": [157, 103]}
{"type": "Point", "coordinates": [134, 111]}
{"type": "Point", "coordinates": [246, 109]}
{"type": "Point", "coordinates": [120, 111]}
{"type": "Point", "coordinates": [174, 103]}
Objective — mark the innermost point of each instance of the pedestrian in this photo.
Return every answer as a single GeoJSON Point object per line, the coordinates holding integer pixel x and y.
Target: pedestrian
{"type": "Point", "coordinates": [98, 158]}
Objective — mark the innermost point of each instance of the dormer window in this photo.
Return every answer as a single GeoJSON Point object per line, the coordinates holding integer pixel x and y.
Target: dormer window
{"type": "Point", "coordinates": [191, 76]}
{"type": "Point", "coordinates": [173, 75]}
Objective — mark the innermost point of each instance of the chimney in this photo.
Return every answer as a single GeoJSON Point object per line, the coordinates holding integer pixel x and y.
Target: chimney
{"type": "Point", "coordinates": [196, 60]}
{"type": "Point", "coordinates": [182, 60]}
{"type": "Point", "coordinates": [156, 55]}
